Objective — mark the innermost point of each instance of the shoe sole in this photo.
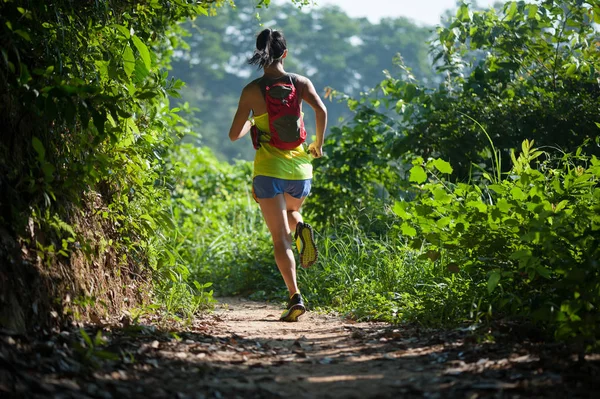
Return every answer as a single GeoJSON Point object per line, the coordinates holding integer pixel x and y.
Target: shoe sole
{"type": "Point", "coordinates": [293, 313]}
{"type": "Point", "coordinates": [310, 253]}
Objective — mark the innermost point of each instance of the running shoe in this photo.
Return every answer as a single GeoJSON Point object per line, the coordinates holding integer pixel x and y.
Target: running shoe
{"type": "Point", "coordinates": [305, 242]}
{"type": "Point", "coordinates": [294, 309]}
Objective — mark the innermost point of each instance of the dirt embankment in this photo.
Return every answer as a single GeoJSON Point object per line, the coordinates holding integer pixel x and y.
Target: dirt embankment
{"type": "Point", "coordinates": [41, 289]}
{"type": "Point", "coordinates": [243, 351]}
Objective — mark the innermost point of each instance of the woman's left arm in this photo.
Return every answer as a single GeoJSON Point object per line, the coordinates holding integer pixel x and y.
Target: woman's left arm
{"type": "Point", "coordinates": [241, 125]}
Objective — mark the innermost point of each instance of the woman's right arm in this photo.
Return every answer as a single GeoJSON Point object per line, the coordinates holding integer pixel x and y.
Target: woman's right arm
{"type": "Point", "coordinates": [241, 125]}
{"type": "Point", "coordinates": [309, 94]}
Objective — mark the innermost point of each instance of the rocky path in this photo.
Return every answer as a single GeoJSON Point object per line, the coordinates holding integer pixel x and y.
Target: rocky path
{"type": "Point", "coordinates": [243, 351]}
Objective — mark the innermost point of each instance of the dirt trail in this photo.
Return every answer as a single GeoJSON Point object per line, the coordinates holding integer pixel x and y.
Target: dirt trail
{"type": "Point", "coordinates": [243, 351]}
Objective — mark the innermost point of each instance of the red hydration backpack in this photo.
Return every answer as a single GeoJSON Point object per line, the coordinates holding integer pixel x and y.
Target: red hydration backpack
{"type": "Point", "coordinates": [285, 117]}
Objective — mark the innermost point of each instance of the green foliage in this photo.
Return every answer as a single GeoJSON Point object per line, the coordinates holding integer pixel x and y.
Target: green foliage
{"type": "Point", "coordinates": [531, 240]}
{"type": "Point", "coordinates": [86, 127]}
{"type": "Point", "coordinates": [528, 72]}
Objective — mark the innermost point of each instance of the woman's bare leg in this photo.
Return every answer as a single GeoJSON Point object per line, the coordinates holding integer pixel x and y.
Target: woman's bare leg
{"type": "Point", "coordinates": [293, 206]}
{"type": "Point", "coordinates": [276, 216]}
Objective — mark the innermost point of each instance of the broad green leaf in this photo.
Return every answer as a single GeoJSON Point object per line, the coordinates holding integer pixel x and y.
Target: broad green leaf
{"type": "Point", "coordinates": [417, 174]}
{"type": "Point", "coordinates": [532, 11]}
{"type": "Point", "coordinates": [123, 30]}
{"type": "Point", "coordinates": [141, 72]}
{"type": "Point", "coordinates": [462, 14]}
{"type": "Point", "coordinates": [149, 219]}
{"type": "Point", "coordinates": [102, 67]}
{"type": "Point", "coordinates": [443, 166]}
{"type": "Point", "coordinates": [497, 188]}
{"type": "Point", "coordinates": [503, 205]}
{"type": "Point", "coordinates": [99, 118]}
{"type": "Point", "coordinates": [143, 50]}
{"type": "Point", "coordinates": [39, 148]}
{"type": "Point", "coordinates": [443, 222]}
{"type": "Point", "coordinates": [518, 194]}
{"type": "Point", "coordinates": [106, 355]}
{"type": "Point", "coordinates": [128, 60]}
{"type": "Point", "coordinates": [23, 34]}
{"type": "Point", "coordinates": [480, 206]}
{"type": "Point", "coordinates": [543, 271]}
{"type": "Point", "coordinates": [571, 69]}
{"type": "Point", "coordinates": [410, 92]}
{"type": "Point", "coordinates": [520, 254]}
{"type": "Point", "coordinates": [493, 281]}
{"type": "Point", "coordinates": [561, 205]}
{"type": "Point", "coordinates": [24, 77]}
{"type": "Point", "coordinates": [408, 230]}
{"type": "Point", "coordinates": [400, 210]}
{"type": "Point", "coordinates": [48, 170]}
{"type": "Point", "coordinates": [86, 338]}
{"type": "Point", "coordinates": [511, 11]}
{"type": "Point", "coordinates": [441, 196]}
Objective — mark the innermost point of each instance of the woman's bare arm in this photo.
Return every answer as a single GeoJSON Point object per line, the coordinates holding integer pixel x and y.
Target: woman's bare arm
{"type": "Point", "coordinates": [241, 125]}
{"type": "Point", "coordinates": [309, 94]}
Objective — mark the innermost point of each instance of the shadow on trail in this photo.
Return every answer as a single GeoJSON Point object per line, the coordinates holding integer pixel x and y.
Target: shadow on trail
{"type": "Point", "coordinates": [345, 362]}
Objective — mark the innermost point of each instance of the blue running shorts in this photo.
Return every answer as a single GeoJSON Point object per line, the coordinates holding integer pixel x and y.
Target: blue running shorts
{"type": "Point", "coordinates": [269, 187]}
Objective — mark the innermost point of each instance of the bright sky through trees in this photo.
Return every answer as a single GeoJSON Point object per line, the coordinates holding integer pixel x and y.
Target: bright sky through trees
{"type": "Point", "coordinates": [425, 12]}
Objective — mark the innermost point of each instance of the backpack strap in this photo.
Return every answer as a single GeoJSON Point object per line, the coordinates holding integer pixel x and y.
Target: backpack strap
{"type": "Point", "coordinates": [263, 86]}
{"type": "Point", "coordinates": [263, 83]}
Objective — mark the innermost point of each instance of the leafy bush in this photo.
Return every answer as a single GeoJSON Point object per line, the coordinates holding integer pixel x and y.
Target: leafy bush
{"type": "Point", "coordinates": [86, 123]}
{"type": "Point", "coordinates": [530, 239]}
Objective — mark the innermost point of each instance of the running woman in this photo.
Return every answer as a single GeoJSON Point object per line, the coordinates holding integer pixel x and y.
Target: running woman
{"type": "Point", "coordinates": [282, 177]}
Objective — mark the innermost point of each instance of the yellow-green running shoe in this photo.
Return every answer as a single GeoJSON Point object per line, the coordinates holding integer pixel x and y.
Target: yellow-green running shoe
{"type": "Point", "coordinates": [294, 309]}
{"type": "Point", "coordinates": [305, 241]}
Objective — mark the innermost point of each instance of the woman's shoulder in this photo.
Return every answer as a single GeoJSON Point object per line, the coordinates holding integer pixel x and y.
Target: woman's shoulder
{"type": "Point", "coordinates": [254, 83]}
{"type": "Point", "coordinates": [298, 78]}
{"type": "Point", "coordinates": [252, 87]}
{"type": "Point", "coordinates": [300, 81]}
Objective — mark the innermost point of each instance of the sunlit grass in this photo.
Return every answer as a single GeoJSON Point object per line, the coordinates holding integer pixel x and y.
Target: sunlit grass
{"type": "Point", "coordinates": [380, 278]}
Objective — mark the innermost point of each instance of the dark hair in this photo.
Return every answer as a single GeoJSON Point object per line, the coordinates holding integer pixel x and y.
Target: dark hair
{"type": "Point", "coordinates": [270, 46]}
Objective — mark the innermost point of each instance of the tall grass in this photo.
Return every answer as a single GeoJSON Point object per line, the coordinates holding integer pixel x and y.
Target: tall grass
{"type": "Point", "coordinates": [380, 278]}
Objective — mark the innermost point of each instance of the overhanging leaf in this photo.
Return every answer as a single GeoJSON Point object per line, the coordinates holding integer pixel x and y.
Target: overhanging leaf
{"type": "Point", "coordinates": [417, 174]}
{"type": "Point", "coordinates": [442, 166]}
{"type": "Point", "coordinates": [143, 50]}
{"type": "Point", "coordinates": [140, 72]}
{"type": "Point", "coordinates": [123, 30]}
{"type": "Point", "coordinates": [408, 230]}
{"type": "Point", "coordinates": [493, 281]}
{"type": "Point", "coordinates": [128, 60]}
{"type": "Point", "coordinates": [400, 210]}
{"type": "Point", "coordinates": [39, 148]}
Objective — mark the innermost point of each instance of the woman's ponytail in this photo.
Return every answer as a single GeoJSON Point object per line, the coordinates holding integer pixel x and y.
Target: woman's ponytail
{"type": "Point", "coordinates": [270, 46]}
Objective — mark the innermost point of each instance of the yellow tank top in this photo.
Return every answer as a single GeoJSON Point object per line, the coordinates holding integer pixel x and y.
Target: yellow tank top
{"type": "Point", "coordinates": [274, 162]}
